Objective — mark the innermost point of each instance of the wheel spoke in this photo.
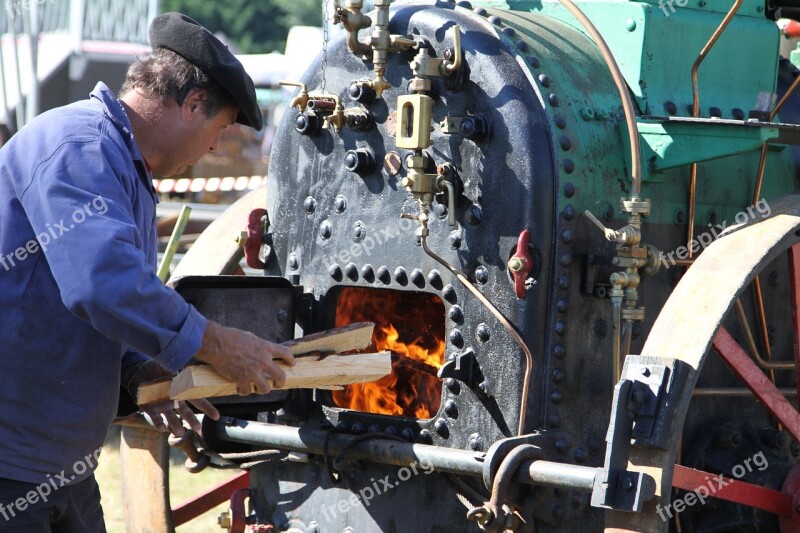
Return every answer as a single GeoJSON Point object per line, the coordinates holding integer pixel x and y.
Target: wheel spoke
{"type": "Point", "coordinates": [756, 381]}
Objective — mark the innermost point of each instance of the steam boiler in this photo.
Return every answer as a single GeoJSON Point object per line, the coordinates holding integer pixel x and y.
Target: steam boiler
{"type": "Point", "coordinates": [574, 227]}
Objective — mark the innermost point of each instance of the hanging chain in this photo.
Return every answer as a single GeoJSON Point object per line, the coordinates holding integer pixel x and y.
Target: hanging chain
{"type": "Point", "coordinates": [324, 43]}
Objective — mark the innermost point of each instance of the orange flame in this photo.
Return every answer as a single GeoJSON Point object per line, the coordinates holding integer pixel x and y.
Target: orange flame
{"type": "Point", "coordinates": [411, 326]}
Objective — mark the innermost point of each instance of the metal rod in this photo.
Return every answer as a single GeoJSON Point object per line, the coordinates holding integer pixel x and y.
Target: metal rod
{"type": "Point", "coordinates": [696, 112]}
{"type": "Point", "coordinates": [523, 407]}
{"type": "Point", "coordinates": [174, 240]}
{"type": "Point", "coordinates": [390, 452]}
{"type": "Point", "coordinates": [734, 393]}
{"type": "Point", "coordinates": [751, 344]}
{"type": "Point", "coordinates": [624, 94]}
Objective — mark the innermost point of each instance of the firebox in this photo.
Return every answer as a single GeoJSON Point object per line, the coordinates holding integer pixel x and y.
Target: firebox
{"type": "Point", "coordinates": [411, 326]}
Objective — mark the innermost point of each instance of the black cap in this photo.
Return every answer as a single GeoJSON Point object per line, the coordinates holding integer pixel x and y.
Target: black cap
{"type": "Point", "coordinates": [193, 42]}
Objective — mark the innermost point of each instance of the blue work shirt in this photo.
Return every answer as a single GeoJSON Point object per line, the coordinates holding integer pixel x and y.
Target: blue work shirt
{"type": "Point", "coordinates": [78, 286]}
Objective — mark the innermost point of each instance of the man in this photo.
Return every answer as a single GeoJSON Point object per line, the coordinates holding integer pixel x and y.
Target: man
{"type": "Point", "coordinates": [81, 308]}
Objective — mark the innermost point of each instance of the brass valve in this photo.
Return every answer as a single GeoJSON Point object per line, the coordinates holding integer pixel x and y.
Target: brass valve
{"type": "Point", "coordinates": [301, 100]}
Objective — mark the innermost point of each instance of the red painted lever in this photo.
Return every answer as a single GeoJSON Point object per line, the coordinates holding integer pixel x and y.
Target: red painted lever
{"type": "Point", "coordinates": [521, 264]}
{"type": "Point", "coordinates": [253, 245]}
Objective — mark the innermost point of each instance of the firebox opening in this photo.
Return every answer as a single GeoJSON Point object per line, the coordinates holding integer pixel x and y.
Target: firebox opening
{"type": "Point", "coordinates": [411, 326]}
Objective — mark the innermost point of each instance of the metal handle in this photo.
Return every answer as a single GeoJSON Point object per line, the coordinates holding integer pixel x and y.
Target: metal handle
{"type": "Point", "coordinates": [451, 199]}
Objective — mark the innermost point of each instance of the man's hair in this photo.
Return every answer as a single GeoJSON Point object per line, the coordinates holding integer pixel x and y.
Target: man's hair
{"type": "Point", "coordinates": [165, 75]}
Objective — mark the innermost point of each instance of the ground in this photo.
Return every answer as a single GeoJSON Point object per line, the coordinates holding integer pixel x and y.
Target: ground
{"type": "Point", "coordinates": [183, 486]}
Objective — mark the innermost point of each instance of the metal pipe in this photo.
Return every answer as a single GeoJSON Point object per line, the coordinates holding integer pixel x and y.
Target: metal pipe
{"type": "Point", "coordinates": [390, 452]}
{"type": "Point", "coordinates": [624, 94]}
{"type": "Point", "coordinates": [734, 393]}
{"type": "Point", "coordinates": [696, 111]}
{"type": "Point", "coordinates": [751, 344]}
{"type": "Point", "coordinates": [523, 407]}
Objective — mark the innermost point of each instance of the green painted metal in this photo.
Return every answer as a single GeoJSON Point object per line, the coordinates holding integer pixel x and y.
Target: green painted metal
{"type": "Point", "coordinates": [670, 144]}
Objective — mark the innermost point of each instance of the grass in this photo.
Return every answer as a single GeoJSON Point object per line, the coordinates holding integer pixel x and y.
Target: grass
{"type": "Point", "coordinates": [183, 486]}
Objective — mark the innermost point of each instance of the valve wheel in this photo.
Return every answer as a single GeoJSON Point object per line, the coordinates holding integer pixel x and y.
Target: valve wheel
{"type": "Point", "coordinates": [690, 328]}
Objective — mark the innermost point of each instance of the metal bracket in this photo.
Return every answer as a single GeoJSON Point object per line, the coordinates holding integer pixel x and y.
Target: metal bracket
{"type": "Point", "coordinates": [463, 367]}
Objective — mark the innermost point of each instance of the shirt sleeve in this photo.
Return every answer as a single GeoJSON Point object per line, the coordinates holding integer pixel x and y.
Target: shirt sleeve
{"type": "Point", "coordinates": [79, 205]}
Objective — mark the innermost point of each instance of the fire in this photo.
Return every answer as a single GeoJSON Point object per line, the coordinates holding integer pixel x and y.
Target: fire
{"type": "Point", "coordinates": [411, 326]}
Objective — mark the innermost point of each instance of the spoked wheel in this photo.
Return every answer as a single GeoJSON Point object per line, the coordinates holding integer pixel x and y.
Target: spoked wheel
{"type": "Point", "coordinates": [144, 453]}
{"type": "Point", "coordinates": [695, 324]}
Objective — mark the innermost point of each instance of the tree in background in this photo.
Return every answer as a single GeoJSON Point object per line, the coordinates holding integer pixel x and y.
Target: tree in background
{"type": "Point", "coordinates": [252, 26]}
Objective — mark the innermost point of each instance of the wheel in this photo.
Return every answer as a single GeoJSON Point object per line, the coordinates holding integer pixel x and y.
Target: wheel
{"type": "Point", "coordinates": [694, 323]}
{"type": "Point", "coordinates": [144, 453]}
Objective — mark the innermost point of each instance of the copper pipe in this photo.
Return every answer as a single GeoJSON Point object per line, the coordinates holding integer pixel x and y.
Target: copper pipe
{"type": "Point", "coordinates": [751, 344]}
{"type": "Point", "coordinates": [624, 94]}
{"type": "Point", "coordinates": [684, 262]}
{"type": "Point", "coordinates": [734, 393]}
{"type": "Point", "coordinates": [784, 98]}
{"type": "Point", "coordinates": [523, 408]}
{"type": "Point", "coordinates": [696, 111]}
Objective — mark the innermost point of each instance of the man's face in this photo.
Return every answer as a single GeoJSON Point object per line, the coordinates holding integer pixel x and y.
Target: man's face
{"type": "Point", "coordinates": [196, 135]}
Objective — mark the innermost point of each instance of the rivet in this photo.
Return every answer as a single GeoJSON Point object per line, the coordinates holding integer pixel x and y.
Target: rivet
{"type": "Point", "coordinates": [601, 328]}
{"type": "Point", "coordinates": [384, 276]}
{"type": "Point", "coordinates": [282, 315]}
{"type": "Point", "coordinates": [474, 215]}
{"type": "Point", "coordinates": [373, 428]}
{"type": "Point", "coordinates": [440, 426]}
{"type": "Point", "coordinates": [522, 46]}
{"type": "Point", "coordinates": [559, 350]}
{"type": "Point", "coordinates": [456, 338]}
{"type": "Point", "coordinates": [293, 261]}
{"type": "Point", "coordinates": [533, 61]}
{"type": "Point", "coordinates": [737, 114]}
{"type": "Point", "coordinates": [464, 4]}
{"type": "Point", "coordinates": [594, 443]}
{"type": "Point", "coordinates": [456, 314]}
{"type": "Point", "coordinates": [435, 279]}
{"type": "Point", "coordinates": [452, 385]}
{"type": "Point", "coordinates": [351, 271]}
{"type": "Point", "coordinates": [425, 436]}
{"type": "Point", "coordinates": [563, 282]}
{"type": "Point", "coordinates": [455, 239]}
{"type": "Point", "coordinates": [558, 375]}
{"type": "Point", "coordinates": [556, 396]}
{"type": "Point", "coordinates": [566, 259]}
{"type": "Point", "coordinates": [569, 166]}
{"type": "Point", "coordinates": [483, 332]}
{"type": "Point", "coordinates": [678, 217]}
{"type": "Point", "coordinates": [561, 328]}
{"type": "Point", "coordinates": [565, 142]}
{"type": "Point", "coordinates": [310, 205]}
{"type": "Point", "coordinates": [441, 211]}
{"type": "Point", "coordinates": [715, 112]}
{"type": "Point", "coordinates": [475, 442]}
{"type": "Point", "coordinates": [560, 122]}
{"type": "Point", "coordinates": [510, 32]}
{"type": "Point", "coordinates": [567, 236]}
{"type": "Point", "coordinates": [359, 231]}
{"type": "Point", "coordinates": [391, 430]}
{"type": "Point", "coordinates": [340, 204]}
{"type": "Point", "coordinates": [568, 213]}
{"type": "Point", "coordinates": [368, 273]}
{"type": "Point", "coordinates": [630, 25]}
{"type": "Point", "coordinates": [670, 108]}
{"type": "Point", "coordinates": [773, 279]}
{"type": "Point", "coordinates": [481, 11]}
{"type": "Point", "coordinates": [544, 80]}
{"type": "Point", "coordinates": [325, 230]}
{"type": "Point", "coordinates": [553, 99]}
{"type": "Point", "coordinates": [341, 425]}
{"type": "Point", "coordinates": [554, 420]}
{"type": "Point", "coordinates": [418, 278]}
{"type": "Point", "coordinates": [562, 305]}
{"type": "Point", "coordinates": [449, 293]}
{"type": "Point", "coordinates": [587, 113]}
{"type": "Point", "coordinates": [451, 409]}
{"type": "Point", "coordinates": [562, 444]}
{"type": "Point", "coordinates": [335, 272]}
{"type": "Point", "coordinates": [481, 275]}
{"type": "Point", "coordinates": [407, 434]}
{"type": "Point", "coordinates": [580, 455]}
{"type": "Point", "coordinates": [358, 428]}
{"type": "Point", "coordinates": [400, 276]}
{"type": "Point", "coordinates": [494, 19]}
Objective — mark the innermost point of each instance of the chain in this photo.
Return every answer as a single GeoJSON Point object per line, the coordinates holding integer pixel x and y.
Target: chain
{"type": "Point", "coordinates": [324, 43]}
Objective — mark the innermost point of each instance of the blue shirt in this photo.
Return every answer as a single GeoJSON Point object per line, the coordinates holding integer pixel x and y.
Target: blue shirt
{"type": "Point", "coordinates": [79, 295]}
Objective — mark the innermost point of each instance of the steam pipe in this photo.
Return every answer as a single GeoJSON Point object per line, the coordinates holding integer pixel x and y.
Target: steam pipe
{"type": "Point", "coordinates": [390, 452]}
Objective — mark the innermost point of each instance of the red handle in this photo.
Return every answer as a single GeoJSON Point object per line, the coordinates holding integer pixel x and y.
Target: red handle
{"type": "Point", "coordinates": [253, 245]}
{"type": "Point", "coordinates": [523, 260]}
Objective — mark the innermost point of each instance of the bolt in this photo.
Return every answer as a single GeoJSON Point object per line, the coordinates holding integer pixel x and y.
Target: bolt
{"type": "Point", "coordinates": [516, 264]}
{"type": "Point", "coordinates": [627, 483]}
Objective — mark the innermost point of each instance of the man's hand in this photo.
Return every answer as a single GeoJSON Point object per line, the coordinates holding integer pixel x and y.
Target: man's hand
{"type": "Point", "coordinates": [167, 410]}
{"type": "Point", "coordinates": [244, 358]}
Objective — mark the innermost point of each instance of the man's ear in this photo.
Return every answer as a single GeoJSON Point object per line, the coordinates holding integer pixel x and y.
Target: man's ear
{"type": "Point", "coordinates": [193, 103]}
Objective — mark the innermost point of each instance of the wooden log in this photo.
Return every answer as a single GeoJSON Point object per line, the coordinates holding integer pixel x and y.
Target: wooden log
{"type": "Point", "coordinates": [348, 338]}
{"type": "Point", "coordinates": [202, 381]}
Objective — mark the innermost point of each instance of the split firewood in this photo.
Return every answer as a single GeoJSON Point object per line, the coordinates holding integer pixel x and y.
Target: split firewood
{"type": "Point", "coordinates": [318, 364]}
{"type": "Point", "coordinates": [401, 361]}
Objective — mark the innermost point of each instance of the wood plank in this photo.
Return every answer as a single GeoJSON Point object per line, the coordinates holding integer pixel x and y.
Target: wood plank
{"type": "Point", "coordinates": [202, 381]}
{"type": "Point", "coordinates": [348, 338]}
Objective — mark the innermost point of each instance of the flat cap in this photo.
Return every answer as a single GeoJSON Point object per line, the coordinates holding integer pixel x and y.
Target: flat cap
{"type": "Point", "coordinates": [187, 38]}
